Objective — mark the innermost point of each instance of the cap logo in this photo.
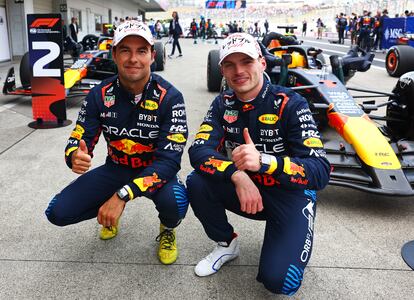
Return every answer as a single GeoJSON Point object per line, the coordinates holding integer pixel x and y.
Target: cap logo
{"type": "Point", "coordinates": [236, 41]}
{"type": "Point", "coordinates": [134, 26]}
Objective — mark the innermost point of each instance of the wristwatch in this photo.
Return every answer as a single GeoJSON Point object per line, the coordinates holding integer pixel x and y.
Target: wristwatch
{"type": "Point", "coordinates": [268, 163]}
{"type": "Point", "coordinates": [123, 194]}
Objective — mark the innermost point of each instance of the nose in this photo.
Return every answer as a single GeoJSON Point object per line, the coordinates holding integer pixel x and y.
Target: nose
{"type": "Point", "coordinates": [238, 68]}
{"type": "Point", "coordinates": [134, 57]}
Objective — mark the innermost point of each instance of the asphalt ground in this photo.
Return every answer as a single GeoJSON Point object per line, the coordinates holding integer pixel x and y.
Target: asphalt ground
{"type": "Point", "coordinates": [358, 236]}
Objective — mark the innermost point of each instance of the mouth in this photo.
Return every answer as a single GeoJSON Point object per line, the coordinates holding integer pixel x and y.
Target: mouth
{"type": "Point", "coordinates": [132, 68]}
{"type": "Point", "coordinates": [239, 80]}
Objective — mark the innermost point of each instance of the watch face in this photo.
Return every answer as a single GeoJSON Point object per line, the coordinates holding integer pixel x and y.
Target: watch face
{"type": "Point", "coordinates": [123, 194]}
{"type": "Point", "coordinates": [266, 159]}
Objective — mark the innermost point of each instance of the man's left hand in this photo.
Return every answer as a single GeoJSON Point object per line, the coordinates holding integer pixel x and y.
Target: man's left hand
{"type": "Point", "coordinates": [111, 211]}
{"type": "Point", "coordinates": [246, 157]}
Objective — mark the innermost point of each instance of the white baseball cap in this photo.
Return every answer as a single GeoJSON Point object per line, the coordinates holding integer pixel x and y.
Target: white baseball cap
{"type": "Point", "coordinates": [240, 43]}
{"type": "Point", "coordinates": [133, 27]}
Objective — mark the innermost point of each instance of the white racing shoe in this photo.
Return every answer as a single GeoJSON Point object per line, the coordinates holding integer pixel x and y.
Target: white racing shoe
{"type": "Point", "coordinates": [220, 255]}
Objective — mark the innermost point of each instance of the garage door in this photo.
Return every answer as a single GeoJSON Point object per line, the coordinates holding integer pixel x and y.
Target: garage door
{"type": "Point", "coordinates": [42, 6]}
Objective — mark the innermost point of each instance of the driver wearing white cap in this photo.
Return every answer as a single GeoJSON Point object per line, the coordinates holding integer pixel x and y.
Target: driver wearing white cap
{"type": "Point", "coordinates": [137, 111]}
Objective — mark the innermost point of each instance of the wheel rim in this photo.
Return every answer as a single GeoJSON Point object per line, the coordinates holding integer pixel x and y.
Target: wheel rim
{"type": "Point", "coordinates": [392, 61]}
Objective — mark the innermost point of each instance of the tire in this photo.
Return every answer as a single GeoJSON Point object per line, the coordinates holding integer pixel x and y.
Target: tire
{"type": "Point", "coordinates": [90, 42]}
{"type": "Point", "coordinates": [26, 72]}
{"type": "Point", "coordinates": [159, 56]}
{"type": "Point", "coordinates": [399, 60]}
{"type": "Point", "coordinates": [214, 76]}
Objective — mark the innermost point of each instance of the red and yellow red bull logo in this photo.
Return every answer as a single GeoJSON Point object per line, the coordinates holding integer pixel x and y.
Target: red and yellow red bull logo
{"type": "Point", "coordinates": [291, 168]}
{"type": "Point", "coordinates": [219, 164]}
{"type": "Point", "coordinates": [146, 182]}
{"type": "Point", "coordinates": [130, 147]}
{"type": "Point", "coordinates": [247, 107]}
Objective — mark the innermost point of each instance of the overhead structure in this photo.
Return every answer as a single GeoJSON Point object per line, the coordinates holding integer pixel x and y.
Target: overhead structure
{"type": "Point", "coordinates": [152, 5]}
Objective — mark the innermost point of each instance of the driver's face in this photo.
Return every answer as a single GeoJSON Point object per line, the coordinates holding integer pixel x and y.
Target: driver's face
{"type": "Point", "coordinates": [244, 74]}
{"type": "Point", "coordinates": [133, 57]}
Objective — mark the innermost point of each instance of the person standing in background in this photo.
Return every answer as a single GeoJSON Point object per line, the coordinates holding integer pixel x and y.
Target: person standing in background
{"type": "Point", "coordinates": [266, 26]}
{"type": "Point", "coordinates": [342, 23]}
{"type": "Point", "coordinates": [175, 31]}
{"type": "Point", "coordinates": [74, 29]}
{"type": "Point", "coordinates": [319, 25]}
{"type": "Point", "coordinates": [304, 27]}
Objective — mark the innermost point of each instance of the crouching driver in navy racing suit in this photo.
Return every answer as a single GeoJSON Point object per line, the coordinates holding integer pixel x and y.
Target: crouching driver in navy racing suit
{"type": "Point", "coordinates": [258, 154]}
{"type": "Point", "coordinates": [143, 121]}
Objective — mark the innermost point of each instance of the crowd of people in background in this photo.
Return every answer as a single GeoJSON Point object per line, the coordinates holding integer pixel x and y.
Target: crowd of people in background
{"type": "Point", "coordinates": [365, 30]}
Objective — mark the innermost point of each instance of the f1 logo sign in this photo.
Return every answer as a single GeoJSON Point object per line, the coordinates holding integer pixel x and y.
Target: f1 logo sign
{"type": "Point", "coordinates": [45, 22]}
{"type": "Point", "coordinates": [46, 61]}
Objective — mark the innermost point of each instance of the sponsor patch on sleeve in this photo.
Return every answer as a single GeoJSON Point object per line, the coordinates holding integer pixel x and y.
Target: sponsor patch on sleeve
{"type": "Point", "coordinates": [203, 136]}
{"type": "Point", "coordinates": [313, 143]}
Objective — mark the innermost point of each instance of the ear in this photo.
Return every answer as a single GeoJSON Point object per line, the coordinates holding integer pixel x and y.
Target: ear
{"type": "Point", "coordinates": [221, 70]}
{"type": "Point", "coordinates": [263, 63]}
{"type": "Point", "coordinates": [153, 53]}
{"type": "Point", "coordinates": [114, 54]}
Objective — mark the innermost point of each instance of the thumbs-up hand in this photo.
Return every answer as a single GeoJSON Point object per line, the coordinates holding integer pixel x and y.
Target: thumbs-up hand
{"type": "Point", "coordinates": [81, 160]}
{"type": "Point", "coordinates": [246, 156]}
{"type": "Point", "coordinates": [246, 136]}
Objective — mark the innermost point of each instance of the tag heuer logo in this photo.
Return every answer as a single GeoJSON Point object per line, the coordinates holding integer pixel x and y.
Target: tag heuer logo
{"type": "Point", "coordinates": [230, 116]}
{"type": "Point", "coordinates": [109, 101]}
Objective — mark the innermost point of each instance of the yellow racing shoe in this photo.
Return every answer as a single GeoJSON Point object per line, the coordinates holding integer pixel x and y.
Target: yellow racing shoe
{"type": "Point", "coordinates": [108, 233]}
{"type": "Point", "coordinates": [167, 251]}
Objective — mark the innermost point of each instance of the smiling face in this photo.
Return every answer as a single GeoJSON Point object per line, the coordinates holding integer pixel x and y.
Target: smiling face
{"type": "Point", "coordinates": [244, 74]}
{"type": "Point", "coordinates": [133, 57]}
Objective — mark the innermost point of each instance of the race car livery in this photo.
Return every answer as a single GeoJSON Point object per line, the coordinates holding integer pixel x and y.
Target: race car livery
{"type": "Point", "coordinates": [280, 124]}
{"type": "Point", "coordinates": [146, 132]}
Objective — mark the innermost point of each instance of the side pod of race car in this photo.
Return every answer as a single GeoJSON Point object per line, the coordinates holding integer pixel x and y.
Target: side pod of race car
{"type": "Point", "coordinates": [371, 153]}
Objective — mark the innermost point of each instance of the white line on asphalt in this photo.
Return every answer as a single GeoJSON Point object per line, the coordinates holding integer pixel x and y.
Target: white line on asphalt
{"type": "Point", "coordinates": [7, 106]}
{"type": "Point", "coordinates": [340, 52]}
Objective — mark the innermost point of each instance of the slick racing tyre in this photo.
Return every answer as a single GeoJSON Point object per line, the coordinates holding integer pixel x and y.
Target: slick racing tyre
{"type": "Point", "coordinates": [159, 56]}
{"type": "Point", "coordinates": [90, 42]}
{"type": "Point", "coordinates": [399, 60]}
{"type": "Point", "coordinates": [213, 71]}
{"type": "Point", "coordinates": [25, 71]}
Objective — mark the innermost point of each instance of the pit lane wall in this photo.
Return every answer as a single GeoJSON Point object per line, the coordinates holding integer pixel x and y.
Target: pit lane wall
{"type": "Point", "coordinates": [393, 28]}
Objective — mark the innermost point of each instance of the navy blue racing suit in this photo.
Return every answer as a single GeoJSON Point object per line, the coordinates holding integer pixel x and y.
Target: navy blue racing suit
{"type": "Point", "coordinates": [145, 137]}
{"type": "Point", "coordinates": [281, 125]}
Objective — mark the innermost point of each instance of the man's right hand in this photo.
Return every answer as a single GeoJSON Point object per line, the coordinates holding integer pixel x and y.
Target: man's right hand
{"type": "Point", "coordinates": [248, 193]}
{"type": "Point", "coordinates": [81, 160]}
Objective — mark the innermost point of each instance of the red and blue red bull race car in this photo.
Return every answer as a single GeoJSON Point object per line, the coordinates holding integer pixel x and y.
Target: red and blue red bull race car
{"type": "Point", "coordinates": [368, 152]}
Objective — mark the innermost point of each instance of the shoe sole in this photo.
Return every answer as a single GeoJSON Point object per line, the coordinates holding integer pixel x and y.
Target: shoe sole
{"type": "Point", "coordinates": [231, 259]}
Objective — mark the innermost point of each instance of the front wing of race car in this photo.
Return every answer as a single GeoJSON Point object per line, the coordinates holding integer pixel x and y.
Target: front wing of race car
{"type": "Point", "coordinates": [349, 170]}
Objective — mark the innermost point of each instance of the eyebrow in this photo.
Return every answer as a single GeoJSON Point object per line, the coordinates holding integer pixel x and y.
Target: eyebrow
{"type": "Point", "coordinates": [126, 47]}
{"type": "Point", "coordinates": [246, 59]}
